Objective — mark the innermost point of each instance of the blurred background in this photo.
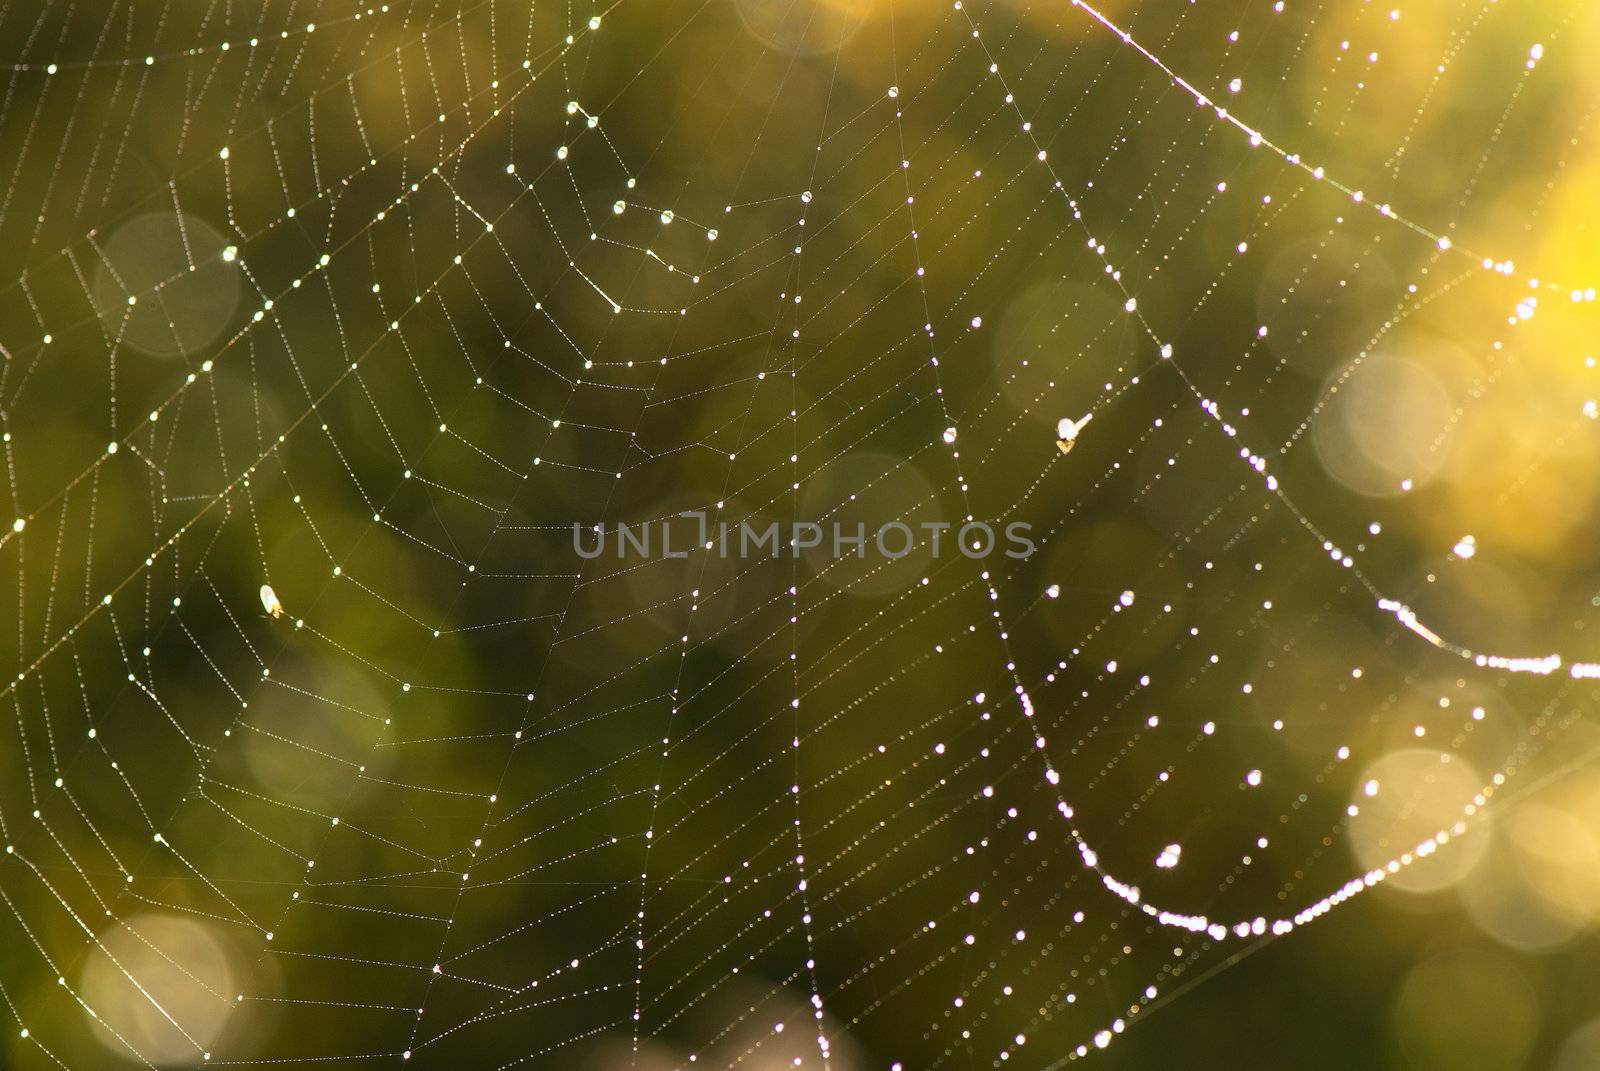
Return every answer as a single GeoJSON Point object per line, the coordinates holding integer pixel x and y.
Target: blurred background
{"type": "Point", "coordinates": [323, 324]}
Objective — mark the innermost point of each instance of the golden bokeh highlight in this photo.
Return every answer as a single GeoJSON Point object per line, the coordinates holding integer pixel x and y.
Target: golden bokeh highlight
{"type": "Point", "coordinates": [1401, 801]}
{"type": "Point", "coordinates": [164, 284]}
{"type": "Point", "coordinates": [159, 988]}
{"type": "Point", "coordinates": [1466, 1008]}
{"type": "Point", "coordinates": [1383, 431]}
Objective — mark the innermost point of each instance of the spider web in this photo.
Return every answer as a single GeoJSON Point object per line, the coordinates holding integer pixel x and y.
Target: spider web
{"type": "Point", "coordinates": [327, 324]}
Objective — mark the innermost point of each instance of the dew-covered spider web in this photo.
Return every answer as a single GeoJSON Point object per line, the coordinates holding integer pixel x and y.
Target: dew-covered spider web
{"type": "Point", "coordinates": [327, 329]}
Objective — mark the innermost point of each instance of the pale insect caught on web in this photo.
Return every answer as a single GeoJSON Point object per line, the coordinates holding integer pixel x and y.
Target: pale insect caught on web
{"type": "Point", "coordinates": [1067, 432]}
{"type": "Point", "coordinates": [270, 602]}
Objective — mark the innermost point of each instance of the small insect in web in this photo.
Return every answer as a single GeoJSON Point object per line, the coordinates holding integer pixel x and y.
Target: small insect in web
{"type": "Point", "coordinates": [270, 602]}
{"type": "Point", "coordinates": [1067, 432]}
